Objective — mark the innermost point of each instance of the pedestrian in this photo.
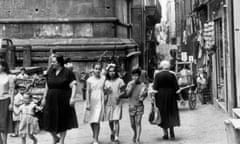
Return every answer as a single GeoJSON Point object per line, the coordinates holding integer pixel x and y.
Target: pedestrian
{"type": "Point", "coordinates": [22, 74]}
{"type": "Point", "coordinates": [28, 121]}
{"type": "Point", "coordinates": [83, 84]}
{"type": "Point", "coordinates": [68, 64]}
{"type": "Point", "coordinates": [58, 100]}
{"type": "Point", "coordinates": [95, 101]}
{"type": "Point", "coordinates": [7, 85]}
{"type": "Point", "coordinates": [137, 92]}
{"type": "Point", "coordinates": [114, 87]}
{"type": "Point", "coordinates": [165, 83]}
{"type": "Point", "coordinates": [18, 101]}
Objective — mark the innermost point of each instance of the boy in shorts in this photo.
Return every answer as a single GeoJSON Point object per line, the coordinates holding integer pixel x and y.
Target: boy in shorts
{"type": "Point", "coordinates": [136, 92]}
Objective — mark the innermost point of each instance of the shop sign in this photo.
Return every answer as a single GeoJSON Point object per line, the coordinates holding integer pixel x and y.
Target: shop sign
{"type": "Point", "coordinates": [191, 58]}
{"type": "Point", "coordinates": [184, 56]}
{"type": "Point", "coordinates": [208, 35]}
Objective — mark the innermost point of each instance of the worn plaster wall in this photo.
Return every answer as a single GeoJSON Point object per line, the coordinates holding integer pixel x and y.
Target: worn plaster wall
{"type": "Point", "coordinates": [14, 10]}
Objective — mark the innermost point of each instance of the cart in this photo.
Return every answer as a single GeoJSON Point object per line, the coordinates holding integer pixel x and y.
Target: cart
{"type": "Point", "coordinates": [184, 74]}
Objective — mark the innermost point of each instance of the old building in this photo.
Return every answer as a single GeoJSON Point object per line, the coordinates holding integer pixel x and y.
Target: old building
{"type": "Point", "coordinates": [145, 14]}
{"type": "Point", "coordinates": [85, 31]}
{"type": "Point", "coordinates": [211, 35]}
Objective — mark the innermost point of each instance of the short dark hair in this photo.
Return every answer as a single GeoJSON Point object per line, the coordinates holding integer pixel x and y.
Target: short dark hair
{"type": "Point", "coordinates": [5, 67]}
{"type": "Point", "coordinates": [136, 71]}
{"type": "Point", "coordinates": [115, 70]}
{"type": "Point", "coordinates": [23, 69]}
{"type": "Point", "coordinates": [68, 59]}
{"type": "Point", "coordinates": [60, 60]}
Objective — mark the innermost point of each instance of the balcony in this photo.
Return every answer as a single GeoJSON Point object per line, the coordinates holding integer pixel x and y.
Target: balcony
{"type": "Point", "coordinates": [199, 4]}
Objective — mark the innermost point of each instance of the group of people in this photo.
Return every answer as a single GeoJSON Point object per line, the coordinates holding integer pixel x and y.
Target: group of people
{"type": "Point", "coordinates": [104, 94]}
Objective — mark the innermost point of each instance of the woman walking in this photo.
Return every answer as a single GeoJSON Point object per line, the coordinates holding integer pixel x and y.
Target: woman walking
{"type": "Point", "coordinates": [95, 101]}
{"type": "Point", "coordinates": [166, 85]}
{"type": "Point", "coordinates": [6, 102]}
{"type": "Point", "coordinates": [114, 87]}
{"type": "Point", "coordinates": [58, 112]}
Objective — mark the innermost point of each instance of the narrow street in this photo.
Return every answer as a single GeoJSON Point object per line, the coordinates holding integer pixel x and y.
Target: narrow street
{"type": "Point", "coordinates": [201, 126]}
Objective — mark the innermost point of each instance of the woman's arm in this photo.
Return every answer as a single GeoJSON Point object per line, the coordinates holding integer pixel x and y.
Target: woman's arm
{"type": "Point", "coordinates": [44, 95]}
{"type": "Point", "coordinates": [11, 91]}
{"type": "Point", "coordinates": [88, 94]}
{"type": "Point", "coordinates": [73, 86]}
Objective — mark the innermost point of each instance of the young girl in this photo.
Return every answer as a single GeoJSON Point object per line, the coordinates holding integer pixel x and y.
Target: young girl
{"type": "Point", "coordinates": [28, 122]}
{"type": "Point", "coordinates": [18, 101]}
{"type": "Point", "coordinates": [113, 106]}
{"type": "Point", "coordinates": [95, 101]}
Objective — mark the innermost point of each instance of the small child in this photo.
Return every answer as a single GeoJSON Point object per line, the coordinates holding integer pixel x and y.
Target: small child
{"type": "Point", "coordinates": [28, 122]}
{"type": "Point", "coordinates": [18, 101]}
{"type": "Point", "coordinates": [137, 92]}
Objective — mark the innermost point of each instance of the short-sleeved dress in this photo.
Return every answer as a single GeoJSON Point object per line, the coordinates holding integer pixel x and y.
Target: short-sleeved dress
{"type": "Point", "coordinates": [28, 122]}
{"type": "Point", "coordinates": [113, 108]}
{"type": "Point", "coordinates": [6, 83]}
{"type": "Point", "coordinates": [96, 112]}
{"type": "Point", "coordinates": [58, 115]}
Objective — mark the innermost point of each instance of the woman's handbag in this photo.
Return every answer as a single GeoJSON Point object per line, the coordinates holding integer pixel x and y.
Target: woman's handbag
{"type": "Point", "coordinates": [154, 116]}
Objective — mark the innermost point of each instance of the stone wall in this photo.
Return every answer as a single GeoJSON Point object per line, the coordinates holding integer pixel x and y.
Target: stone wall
{"type": "Point", "coordinates": [24, 19]}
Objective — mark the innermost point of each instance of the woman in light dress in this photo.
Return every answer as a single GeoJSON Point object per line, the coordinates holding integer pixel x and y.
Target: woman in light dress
{"type": "Point", "coordinates": [6, 102]}
{"type": "Point", "coordinates": [95, 101]}
{"type": "Point", "coordinates": [114, 87]}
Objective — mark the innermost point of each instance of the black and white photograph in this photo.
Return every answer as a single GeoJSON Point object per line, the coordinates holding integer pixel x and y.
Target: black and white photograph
{"type": "Point", "coordinates": [119, 71]}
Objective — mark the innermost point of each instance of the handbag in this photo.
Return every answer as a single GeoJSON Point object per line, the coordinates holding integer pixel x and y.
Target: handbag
{"type": "Point", "coordinates": [87, 114]}
{"type": "Point", "coordinates": [154, 116]}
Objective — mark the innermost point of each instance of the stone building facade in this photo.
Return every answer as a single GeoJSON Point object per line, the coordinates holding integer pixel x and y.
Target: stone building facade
{"type": "Point", "coordinates": [85, 31]}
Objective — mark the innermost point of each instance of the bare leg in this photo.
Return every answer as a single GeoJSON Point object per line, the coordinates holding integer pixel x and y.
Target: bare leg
{"type": "Point", "coordinates": [138, 120]}
{"type": "Point", "coordinates": [111, 125]}
{"type": "Point", "coordinates": [32, 137]}
{"type": "Point", "coordinates": [23, 139]}
{"type": "Point", "coordinates": [96, 129]}
{"type": "Point", "coordinates": [4, 138]}
{"type": "Point", "coordinates": [62, 137]}
{"type": "Point", "coordinates": [17, 128]}
{"type": "Point", "coordinates": [1, 141]}
{"type": "Point", "coordinates": [116, 129]}
{"type": "Point", "coordinates": [133, 125]}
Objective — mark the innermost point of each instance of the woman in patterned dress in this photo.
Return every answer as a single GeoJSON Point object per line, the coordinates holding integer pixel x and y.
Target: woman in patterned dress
{"type": "Point", "coordinates": [113, 109]}
{"type": "Point", "coordinates": [95, 101]}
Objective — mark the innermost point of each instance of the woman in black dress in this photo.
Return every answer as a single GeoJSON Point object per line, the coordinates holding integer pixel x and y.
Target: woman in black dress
{"type": "Point", "coordinates": [58, 113]}
{"type": "Point", "coordinates": [166, 99]}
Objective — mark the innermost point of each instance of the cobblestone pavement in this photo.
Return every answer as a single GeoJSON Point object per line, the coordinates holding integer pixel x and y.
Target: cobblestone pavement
{"type": "Point", "coordinates": [201, 126]}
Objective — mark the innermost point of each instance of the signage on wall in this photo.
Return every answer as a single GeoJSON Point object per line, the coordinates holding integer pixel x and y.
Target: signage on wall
{"type": "Point", "coordinates": [184, 56]}
{"type": "Point", "coordinates": [191, 58]}
{"type": "Point", "coordinates": [208, 34]}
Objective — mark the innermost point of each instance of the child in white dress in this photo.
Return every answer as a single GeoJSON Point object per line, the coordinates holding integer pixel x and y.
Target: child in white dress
{"type": "Point", "coordinates": [28, 122]}
{"type": "Point", "coordinates": [18, 101]}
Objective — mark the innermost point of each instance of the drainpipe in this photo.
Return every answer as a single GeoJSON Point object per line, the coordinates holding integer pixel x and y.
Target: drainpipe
{"type": "Point", "coordinates": [143, 30]}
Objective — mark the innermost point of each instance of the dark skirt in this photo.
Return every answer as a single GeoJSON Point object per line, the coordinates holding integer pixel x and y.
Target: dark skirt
{"type": "Point", "coordinates": [58, 115]}
{"type": "Point", "coordinates": [166, 101]}
{"type": "Point", "coordinates": [6, 123]}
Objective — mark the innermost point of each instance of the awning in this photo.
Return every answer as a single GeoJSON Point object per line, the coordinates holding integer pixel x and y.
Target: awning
{"type": "Point", "coordinates": [135, 53]}
{"type": "Point", "coordinates": [153, 14]}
